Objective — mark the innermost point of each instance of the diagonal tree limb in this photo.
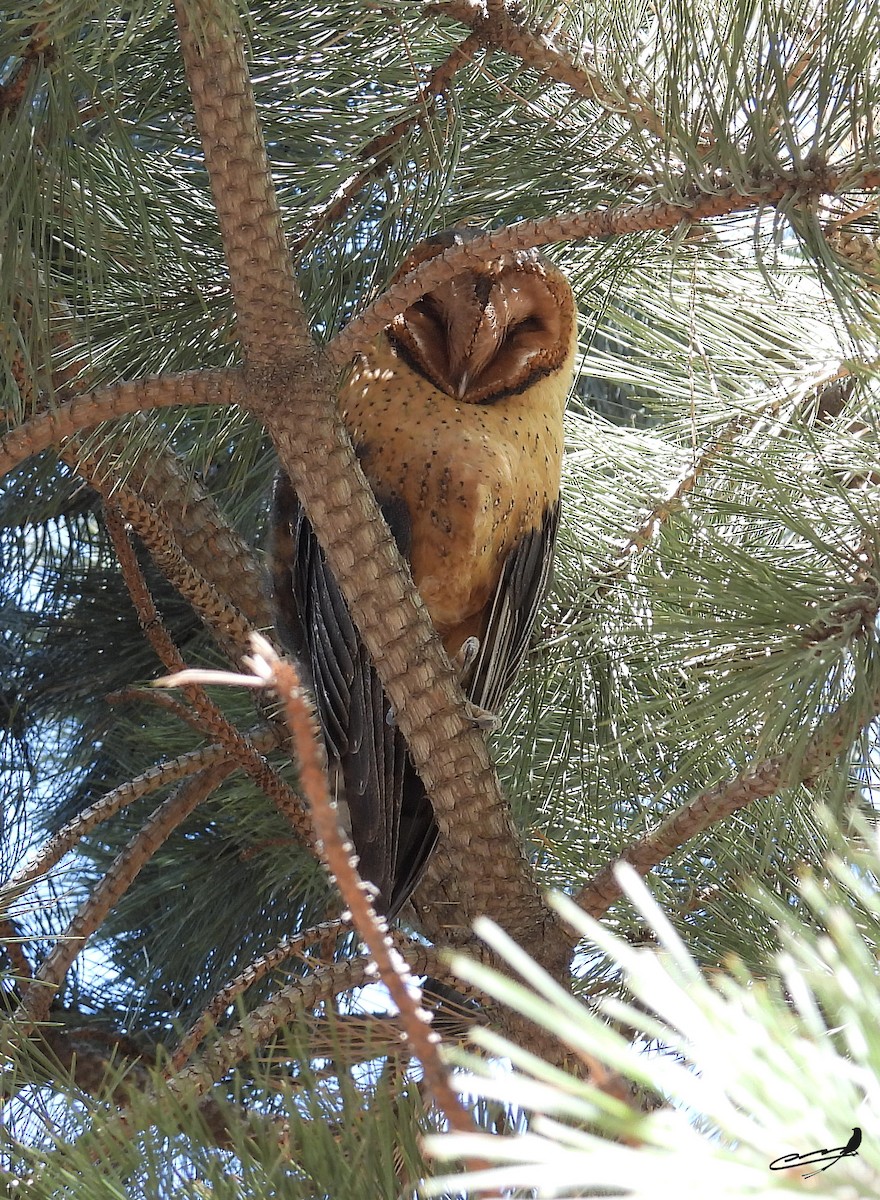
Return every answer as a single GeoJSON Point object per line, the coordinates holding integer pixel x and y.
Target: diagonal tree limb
{"type": "Point", "coordinates": [760, 779]}
{"type": "Point", "coordinates": [292, 388]}
{"type": "Point", "coordinates": [495, 24]}
{"type": "Point", "coordinates": [379, 148]}
{"type": "Point", "coordinates": [159, 480]}
{"type": "Point", "coordinates": [212, 718]}
{"type": "Point", "coordinates": [230, 628]}
{"type": "Point", "coordinates": [122, 873]}
{"type": "Point", "coordinates": [292, 1002]}
{"type": "Point", "coordinates": [176, 769]}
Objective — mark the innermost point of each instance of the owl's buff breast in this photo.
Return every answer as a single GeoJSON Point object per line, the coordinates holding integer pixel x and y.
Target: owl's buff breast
{"type": "Point", "coordinates": [474, 477]}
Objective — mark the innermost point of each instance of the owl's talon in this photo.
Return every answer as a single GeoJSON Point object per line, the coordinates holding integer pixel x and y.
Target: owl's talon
{"type": "Point", "coordinates": [466, 656]}
{"type": "Point", "coordinates": [481, 717]}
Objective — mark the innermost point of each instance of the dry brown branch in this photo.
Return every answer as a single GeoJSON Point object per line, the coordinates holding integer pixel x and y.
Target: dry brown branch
{"type": "Point", "coordinates": [378, 149]}
{"type": "Point", "coordinates": [149, 696]}
{"type": "Point", "coordinates": [336, 854]}
{"type": "Point", "coordinates": [266, 963]}
{"type": "Point", "coordinates": [105, 404]}
{"type": "Point", "coordinates": [39, 49]}
{"type": "Point", "coordinates": [495, 25]}
{"type": "Point", "coordinates": [186, 533]}
{"type": "Point", "coordinates": [176, 769]}
{"type": "Point", "coordinates": [121, 874]}
{"type": "Point", "coordinates": [831, 739]}
{"type": "Point", "coordinates": [691, 207]}
{"type": "Point", "coordinates": [211, 717]}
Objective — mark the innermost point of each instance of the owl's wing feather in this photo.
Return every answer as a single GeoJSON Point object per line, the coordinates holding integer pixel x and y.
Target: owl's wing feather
{"type": "Point", "coordinates": [515, 603]}
{"type": "Point", "coordinates": [392, 823]}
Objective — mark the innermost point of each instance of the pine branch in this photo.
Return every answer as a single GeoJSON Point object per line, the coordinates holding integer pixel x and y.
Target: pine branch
{"type": "Point", "coordinates": [286, 1007]}
{"type": "Point", "coordinates": [257, 970]}
{"type": "Point", "coordinates": [495, 24]}
{"type": "Point", "coordinates": [208, 542]}
{"type": "Point", "coordinates": [292, 389]}
{"type": "Point", "coordinates": [161, 391]}
{"type": "Point", "coordinates": [379, 148]}
{"type": "Point", "coordinates": [271, 324]}
{"type": "Point", "coordinates": [176, 769]}
{"type": "Point", "coordinates": [336, 854]}
{"type": "Point", "coordinates": [211, 717]}
{"type": "Point", "coordinates": [228, 626]}
{"type": "Point", "coordinates": [121, 874]}
{"type": "Point", "coordinates": [760, 779]}
{"type": "Point", "coordinates": [693, 206]}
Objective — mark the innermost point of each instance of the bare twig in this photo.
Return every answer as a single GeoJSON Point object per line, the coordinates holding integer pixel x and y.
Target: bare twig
{"type": "Point", "coordinates": [336, 854]}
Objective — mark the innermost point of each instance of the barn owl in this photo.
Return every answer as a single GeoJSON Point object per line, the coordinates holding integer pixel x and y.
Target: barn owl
{"type": "Point", "coordinates": [455, 414]}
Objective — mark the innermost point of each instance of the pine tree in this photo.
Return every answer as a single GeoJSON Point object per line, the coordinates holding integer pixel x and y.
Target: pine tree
{"type": "Point", "coordinates": [200, 210]}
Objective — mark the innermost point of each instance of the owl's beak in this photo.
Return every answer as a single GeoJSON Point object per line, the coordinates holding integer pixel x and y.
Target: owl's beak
{"type": "Point", "coordinates": [476, 333]}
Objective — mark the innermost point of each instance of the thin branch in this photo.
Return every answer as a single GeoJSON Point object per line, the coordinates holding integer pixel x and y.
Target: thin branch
{"type": "Point", "coordinates": [148, 695]}
{"type": "Point", "coordinates": [176, 769]}
{"type": "Point", "coordinates": [693, 206]}
{"type": "Point", "coordinates": [105, 404]}
{"type": "Point", "coordinates": [121, 874]}
{"type": "Point", "coordinates": [336, 853]}
{"type": "Point", "coordinates": [264, 965]}
{"type": "Point", "coordinates": [214, 722]}
{"type": "Point", "coordinates": [742, 423]}
{"type": "Point", "coordinates": [831, 739]}
{"type": "Point", "coordinates": [158, 483]}
{"type": "Point", "coordinates": [495, 25]}
{"type": "Point", "coordinates": [379, 148]}
{"type": "Point", "coordinates": [12, 940]}
{"type": "Point", "coordinates": [230, 628]}
{"type": "Point", "coordinates": [39, 50]}
{"type": "Point", "coordinates": [289, 1005]}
